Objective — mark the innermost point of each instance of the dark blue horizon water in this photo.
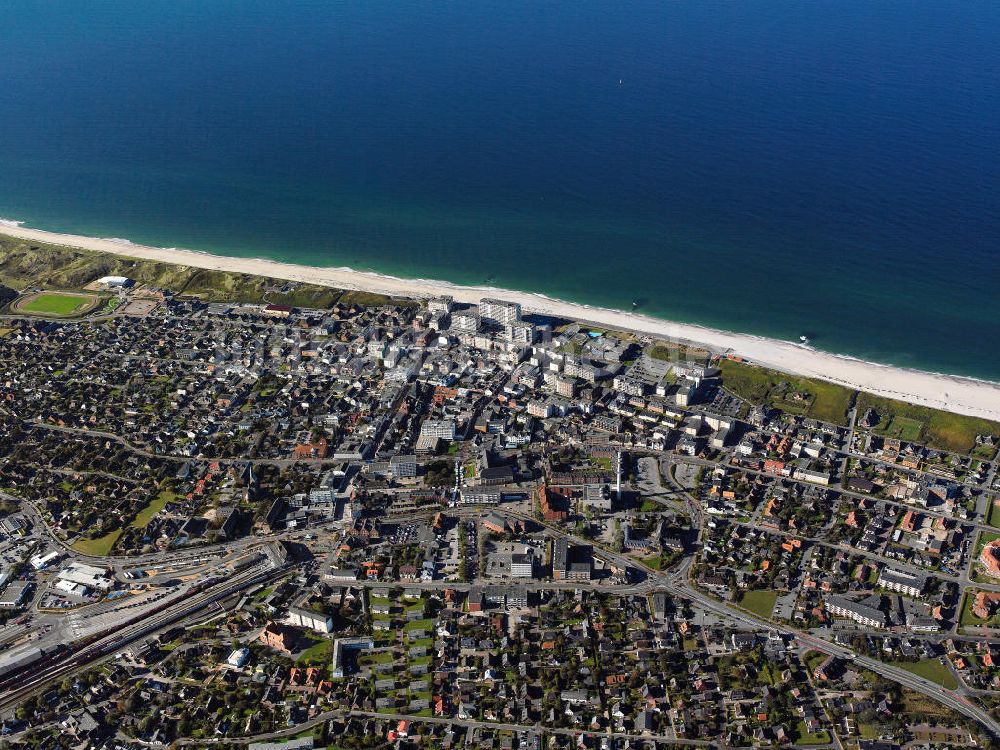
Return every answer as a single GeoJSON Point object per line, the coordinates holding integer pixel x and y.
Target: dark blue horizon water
{"type": "Point", "coordinates": [778, 167]}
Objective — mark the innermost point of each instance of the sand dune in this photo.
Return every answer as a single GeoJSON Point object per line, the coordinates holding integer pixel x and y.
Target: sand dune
{"type": "Point", "coordinates": [954, 393]}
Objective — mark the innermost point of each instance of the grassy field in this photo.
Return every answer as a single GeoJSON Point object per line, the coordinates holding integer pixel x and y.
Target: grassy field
{"type": "Point", "coordinates": [812, 398]}
{"type": "Point", "coordinates": [145, 515]}
{"type": "Point", "coordinates": [759, 602]}
{"type": "Point", "coordinates": [426, 624]}
{"type": "Point", "coordinates": [56, 303]}
{"type": "Point", "coordinates": [99, 546]}
{"type": "Point", "coordinates": [319, 653]}
{"type": "Point", "coordinates": [659, 562]}
{"type": "Point", "coordinates": [930, 669]}
{"type": "Point", "coordinates": [670, 351]}
{"type": "Point", "coordinates": [938, 429]}
{"type": "Point", "coordinates": [813, 659]}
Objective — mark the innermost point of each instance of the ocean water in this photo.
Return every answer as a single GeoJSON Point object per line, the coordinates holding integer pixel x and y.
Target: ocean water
{"type": "Point", "coordinates": [778, 167]}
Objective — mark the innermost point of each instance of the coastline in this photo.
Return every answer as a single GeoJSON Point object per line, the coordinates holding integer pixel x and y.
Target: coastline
{"type": "Point", "coordinates": [954, 393]}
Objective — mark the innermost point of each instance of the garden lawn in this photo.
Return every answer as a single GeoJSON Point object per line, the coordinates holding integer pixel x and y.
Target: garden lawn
{"type": "Point", "coordinates": [993, 517]}
{"type": "Point", "coordinates": [805, 737]}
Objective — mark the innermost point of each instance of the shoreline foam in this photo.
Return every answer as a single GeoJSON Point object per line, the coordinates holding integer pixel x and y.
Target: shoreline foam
{"type": "Point", "coordinates": [960, 394]}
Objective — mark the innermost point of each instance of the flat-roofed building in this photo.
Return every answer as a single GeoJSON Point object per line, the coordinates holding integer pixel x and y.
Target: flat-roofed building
{"type": "Point", "coordinates": [497, 313]}
{"type": "Point", "coordinates": [902, 581]}
{"type": "Point", "coordinates": [14, 595]}
{"type": "Point", "coordinates": [864, 612]}
{"type": "Point", "coordinates": [306, 618]}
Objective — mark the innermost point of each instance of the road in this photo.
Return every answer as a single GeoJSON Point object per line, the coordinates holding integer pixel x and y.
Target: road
{"type": "Point", "coordinates": [674, 582]}
{"type": "Point", "coordinates": [119, 636]}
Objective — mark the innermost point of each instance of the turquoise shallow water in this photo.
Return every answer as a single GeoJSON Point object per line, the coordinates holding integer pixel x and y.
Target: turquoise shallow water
{"type": "Point", "coordinates": [774, 168]}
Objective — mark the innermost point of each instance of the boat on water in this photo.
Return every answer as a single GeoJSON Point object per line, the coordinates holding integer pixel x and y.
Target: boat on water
{"type": "Point", "coordinates": [804, 340]}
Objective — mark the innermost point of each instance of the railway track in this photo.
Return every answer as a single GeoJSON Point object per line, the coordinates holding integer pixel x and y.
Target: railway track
{"type": "Point", "coordinates": [66, 660]}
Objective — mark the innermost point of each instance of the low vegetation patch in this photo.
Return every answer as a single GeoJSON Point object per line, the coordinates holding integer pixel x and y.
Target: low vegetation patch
{"type": "Point", "coordinates": [930, 669]}
{"type": "Point", "coordinates": [98, 546]}
{"type": "Point", "coordinates": [759, 602]}
{"type": "Point", "coordinates": [145, 515]}
{"type": "Point", "coordinates": [319, 653]}
{"type": "Point", "coordinates": [805, 738]}
{"type": "Point", "coordinates": [806, 396]}
{"type": "Point", "coordinates": [26, 263]}
{"type": "Point", "coordinates": [938, 429]}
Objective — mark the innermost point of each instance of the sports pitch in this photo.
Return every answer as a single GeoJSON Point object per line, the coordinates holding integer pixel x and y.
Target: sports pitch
{"type": "Point", "coordinates": [58, 304]}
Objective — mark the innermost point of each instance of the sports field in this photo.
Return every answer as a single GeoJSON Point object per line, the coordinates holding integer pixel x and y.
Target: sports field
{"type": "Point", "coordinates": [59, 304]}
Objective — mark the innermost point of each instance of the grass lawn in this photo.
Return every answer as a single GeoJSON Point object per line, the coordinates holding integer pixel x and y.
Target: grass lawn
{"type": "Point", "coordinates": [145, 515]}
{"type": "Point", "coordinates": [813, 659]}
{"type": "Point", "coordinates": [425, 624]}
{"type": "Point", "coordinates": [50, 303]}
{"type": "Point", "coordinates": [967, 619]}
{"type": "Point", "coordinates": [985, 537]}
{"type": "Point", "coordinates": [869, 731]}
{"type": "Point", "coordinates": [759, 602]}
{"type": "Point", "coordinates": [655, 562]}
{"type": "Point", "coordinates": [820, 400]}
{"type": "Point", "coordinates": [376, 657]}
{"type": "Point", "coordinates": [670, 351]}
{"type": "Point", "coordinates": [370, 299]}
{"type": "Point", "coordinates": [904, 428]}
{"type": "Point", "coordinates": [985, 451]}
{"type": "Point", "coordinates": [805, 737]}
{"type": "Point", "coordinates": [939, 429]}
{"type": "Point", "coordinates": [993, 517]}
{"type": "Point", "coordinates": [100, 546]}
{"type": "Point", "coordinates": [930, 669]}
{"type": "Point", "coordinates": [319, 653]}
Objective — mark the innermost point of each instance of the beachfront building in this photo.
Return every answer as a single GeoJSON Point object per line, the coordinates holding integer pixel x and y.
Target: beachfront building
{"type": "Point", "coordinates": [519, 332]}
{"type": "Point", "coordinates": [466, 321]}
{"type": "Point", "coordinates": [442, 304]}
{"type": "Point", "coordinates": [496, 313]}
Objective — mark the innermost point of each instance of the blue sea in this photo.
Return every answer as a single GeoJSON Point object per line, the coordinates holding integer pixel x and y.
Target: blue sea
{"type": "Point", "coordinates": [776, 167]}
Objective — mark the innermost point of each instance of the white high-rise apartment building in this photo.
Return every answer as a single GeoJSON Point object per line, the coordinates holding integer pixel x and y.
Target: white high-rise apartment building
{"type": "Point", "coordinates": [496, 312]}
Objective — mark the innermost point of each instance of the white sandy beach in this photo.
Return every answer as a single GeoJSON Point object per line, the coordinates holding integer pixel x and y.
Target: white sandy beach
{"type": "Point", "coordinates": [957, 394]}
